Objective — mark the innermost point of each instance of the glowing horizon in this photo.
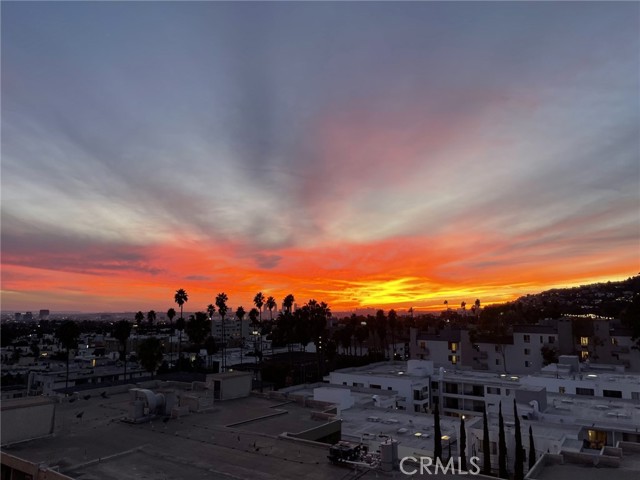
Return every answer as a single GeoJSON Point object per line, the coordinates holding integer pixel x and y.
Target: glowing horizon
{"type": "Point", "coordinates": [364, 154]}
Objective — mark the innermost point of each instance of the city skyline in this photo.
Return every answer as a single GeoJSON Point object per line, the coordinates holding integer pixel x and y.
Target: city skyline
{"type": "Point", "coordinates": [364, 154]}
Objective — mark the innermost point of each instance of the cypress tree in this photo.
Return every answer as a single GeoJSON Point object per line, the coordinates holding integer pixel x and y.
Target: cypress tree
{"type": "Point", "coordinates": [463, 445]}
{"type": "Point", "coordinates": [532, 449]}
{"type": "Point", "coordinates": [502, 446]}
{"type": "Point", "coordinates": [518, 468]}
{"type": "Point", "coordinates": [486, 445]}
{"type": "Point", "coordinates": [437, 449]}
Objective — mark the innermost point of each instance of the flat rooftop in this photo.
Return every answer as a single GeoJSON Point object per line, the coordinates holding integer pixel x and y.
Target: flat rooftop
{"type": "Point", "coordinates": [628, 470]}
{"type": "Point", "coordinates": [237, 439]}
{"type": "Point", "coordinates": [409, 429]}
{"type": "Point", "coordinates": [382, 369]}
{"type": "Point", "coordinates": [617, 413]}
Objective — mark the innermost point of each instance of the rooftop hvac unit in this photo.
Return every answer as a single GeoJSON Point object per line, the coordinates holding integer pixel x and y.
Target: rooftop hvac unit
{"type": "Point", "coordinates": [145, 404]}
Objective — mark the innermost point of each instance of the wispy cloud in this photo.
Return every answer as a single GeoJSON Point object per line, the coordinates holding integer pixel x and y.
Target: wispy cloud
{"type": "Point", "coordinates": [369, 152]}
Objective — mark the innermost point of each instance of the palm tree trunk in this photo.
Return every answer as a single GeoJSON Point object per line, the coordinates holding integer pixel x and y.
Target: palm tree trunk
{"type": "Point", "coordinates": [125, 361]}
{"type": "Point", "coordinates": [170, 342]}
{"type": "Point", "coordinates": [66, 383]}
{"type": "Point", "coordinates": [224, 349]}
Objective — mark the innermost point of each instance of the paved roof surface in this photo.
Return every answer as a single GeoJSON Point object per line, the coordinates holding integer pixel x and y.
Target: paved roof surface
{"type": "Point", "coordinates": [100, 446]}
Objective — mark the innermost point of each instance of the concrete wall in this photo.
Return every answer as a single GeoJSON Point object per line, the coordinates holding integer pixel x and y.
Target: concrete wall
{"type": "Point", "coordinates": [24, 419]}
{"type": "Point", "coordinates": [15, 464]}
{"type": "Point", "coordinates": [236, 387]}
{"type": "Point", "coordinates": [322, 432]}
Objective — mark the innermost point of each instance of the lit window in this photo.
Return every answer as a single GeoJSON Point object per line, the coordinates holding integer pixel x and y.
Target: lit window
{"type": "Point", "coordinates": [561, 390]}
{"type": "Point", "coordinates": [584, 341]}
{"type": "Point", "coordinates": [584, 355]}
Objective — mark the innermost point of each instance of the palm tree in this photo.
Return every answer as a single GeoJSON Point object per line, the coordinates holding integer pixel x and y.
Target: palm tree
{"type": "Point", "coordinates": [393, 323]}
{"type": "Point", "coordinates": [381, 329]}
{"type": "Point", "coordinates": [151, 317]}
{"type": "Point", "coordinates": [139, 318]}
{"type": "Point", "coordinates": [258, 301]}
{"type": "Point", "coordinates": [122, 332]}
{"type": "Point", "coordinates": [271, 304]}
{"type": "Point", "coordinates": [180, 298]}
{"type": "Point", "coordinates": [240, 313]}
{"type": "Point", "coordinates": [68, 333]}
{"type": "Point", "coordinates": [288, 302]}
{"type": "Point", "coordinates": [221, 303]}
{"type": "Point", "coordinates": [170, 314]}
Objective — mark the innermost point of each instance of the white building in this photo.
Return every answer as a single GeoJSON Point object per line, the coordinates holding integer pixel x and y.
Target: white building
{"type": "Point", "coordinates": [410, 381]}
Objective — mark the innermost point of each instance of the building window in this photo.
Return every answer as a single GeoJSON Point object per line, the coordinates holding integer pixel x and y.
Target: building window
{"type": "Point", "coordinates": [453, 346]}
{"type": "Point", "coordinates": [493, 390]}
{"type": "Point", "coordinates": [584, 355]}
{"type": "Point", "coordinates": [635, 395]}
{"type": "Point", "coordinates": [541, 341]}
{"type": "Point", "coordinates": [584, 391]}
{"type": "Point", "coordinates": [378, 387]}
{"type": "Point", "coordinates": [422, 344]}
{"type": "Point", "coordinates": [526, 363]}
{"type": "Point", "coordinates": [552, 339]}
{"type": "Point", "coordinates": [527, 339]}
{"type": "Point", "coordinates": [497, 361]}
{"type": "Point", "coordinates": [584, 341]}
{"type": "Point", "coordinates": [597, 439]}
{"type": "Point", "coordinates": [614, 341]}
{"type": "Point", "coordinates": [561, 390]}
{"type": "Point", "coordinates": [612, 393]}
{"type": "Point", "coordinates": [453, 359]}
{"type": "Point", "coordinates": [496, 348]}
{"type": "Point", "coordinates": [527, 351]}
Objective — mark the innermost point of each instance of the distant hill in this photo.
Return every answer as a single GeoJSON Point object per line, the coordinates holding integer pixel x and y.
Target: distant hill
{"type": "Point", "coordinates": [607, 299]}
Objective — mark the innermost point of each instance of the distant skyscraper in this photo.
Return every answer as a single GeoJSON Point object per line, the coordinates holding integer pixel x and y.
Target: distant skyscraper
{"type": "Point", "coordinates": [18, 316]}
{"type": "Point", "coordinates": [44, 314]}
{"type": "Point", "coordinates": [28, 317]}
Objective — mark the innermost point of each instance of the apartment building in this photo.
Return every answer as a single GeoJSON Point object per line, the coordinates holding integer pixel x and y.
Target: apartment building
{"type": "Point", "coordinates": [528, 348]}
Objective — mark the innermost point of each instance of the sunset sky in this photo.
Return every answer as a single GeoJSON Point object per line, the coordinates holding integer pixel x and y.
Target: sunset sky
{"type": "Point", "coordinates": [364, 154]}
